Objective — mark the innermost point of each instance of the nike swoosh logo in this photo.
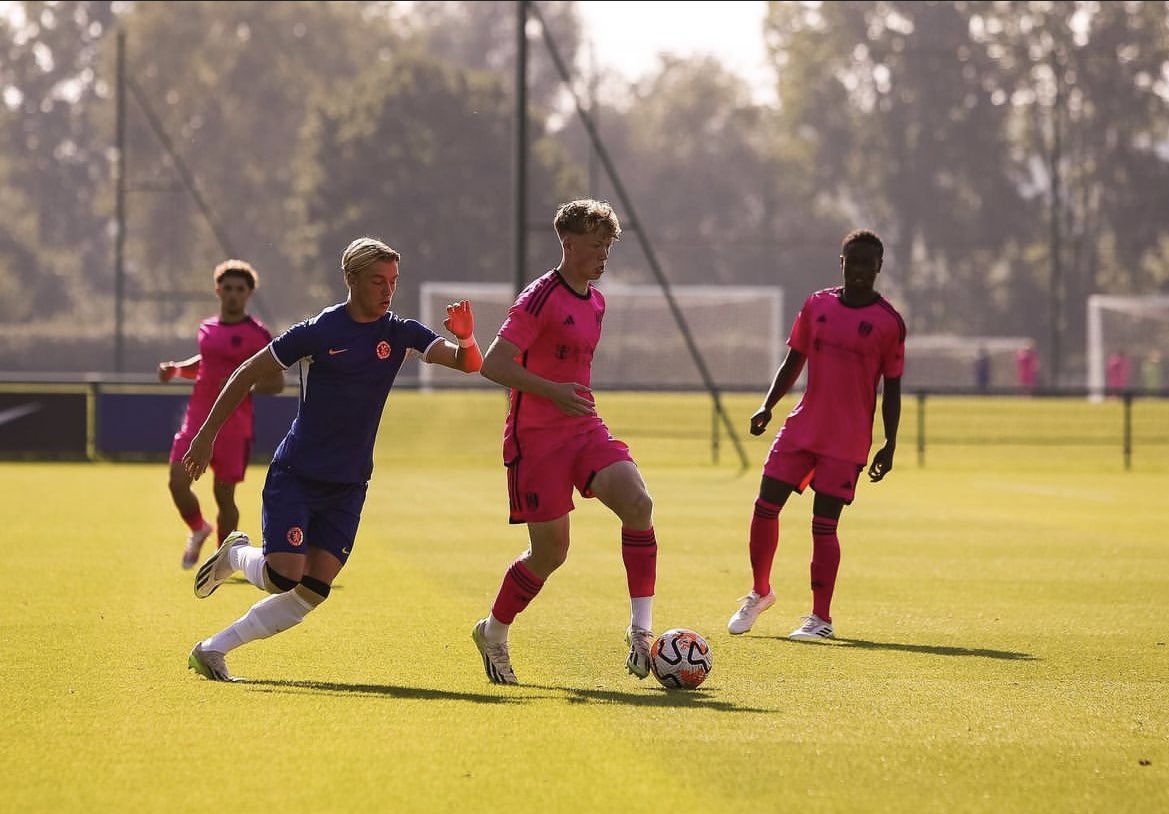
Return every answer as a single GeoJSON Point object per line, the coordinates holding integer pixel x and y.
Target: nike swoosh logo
{"type": "Point", "coordinates": [334, 351]}
{"type": "Point", "coordinates": [345, 551]}
{"type": "Point", "coordinates": [14, 413]}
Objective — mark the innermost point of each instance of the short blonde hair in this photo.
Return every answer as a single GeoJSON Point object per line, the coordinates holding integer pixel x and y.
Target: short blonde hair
{"type": "Point", "coordinates": [363, 252]}
{"type": "Point", "coordinates": [584, 216]}
{"type": "Point", "coordinates": [238, 268]}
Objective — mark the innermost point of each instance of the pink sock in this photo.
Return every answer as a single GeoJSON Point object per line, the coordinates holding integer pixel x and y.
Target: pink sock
{"type": "Point", "coordinates": [519, 587]}
{"type": "Point", "coordinates": [764, 541]}
{"type": "Point", "coordinates": [639, 550]}
{"type": "Point", "coordinates": [195, 522]}
{"type": "Point", "coordinates": [825, 562]}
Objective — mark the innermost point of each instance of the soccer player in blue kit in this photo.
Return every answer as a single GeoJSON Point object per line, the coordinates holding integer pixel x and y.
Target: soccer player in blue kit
{"type": "Point", "coordinates": [317, 480]}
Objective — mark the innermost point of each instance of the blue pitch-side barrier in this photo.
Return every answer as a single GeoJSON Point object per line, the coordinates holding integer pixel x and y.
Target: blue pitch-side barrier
{"type": "Point", "coordinates": [93, 421]}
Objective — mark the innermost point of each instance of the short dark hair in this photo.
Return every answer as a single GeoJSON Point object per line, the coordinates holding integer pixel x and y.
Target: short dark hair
{"type": "Point", "coordinates": [863, 236]}
{"type": "Point", "coordinates": [237, 268]}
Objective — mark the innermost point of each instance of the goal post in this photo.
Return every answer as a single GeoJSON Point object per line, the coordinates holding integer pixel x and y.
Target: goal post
{"type": "Point", "coordinates": [737, 328]}
{"type": "Point", "coordinates": [1133, 330]}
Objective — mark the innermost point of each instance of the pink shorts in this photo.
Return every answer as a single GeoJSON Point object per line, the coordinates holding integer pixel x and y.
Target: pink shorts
{"type": "Point", "coordinates": [799, 467]}
{"type": "Point", "coordinates": [541, 479]}
{"type": "Point", "coordinates": [229, 456]}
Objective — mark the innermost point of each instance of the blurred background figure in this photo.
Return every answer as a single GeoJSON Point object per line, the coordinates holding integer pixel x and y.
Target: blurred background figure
{"type": "Point", "coordinates": [1151, 374]}
{"type": "Point", "coordinates": [1027, 368]}
{"type": "Point", "coordinates": [1117, 372]}
{"type": "Point", "coordinates": [982, 370]}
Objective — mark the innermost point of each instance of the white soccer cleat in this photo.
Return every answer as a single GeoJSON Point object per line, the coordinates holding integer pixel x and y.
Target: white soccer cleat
{"type": "Point", "coordinates": [209, 664]}
{"type": "Point", "coordinates": [217, 568]}
{"type": "Point", "coordinates": [745, 616]}
{"type": "Point", "coordinates": [496, 659]}
{"type": "Point", "coordinates": [640, 641]}
{"type": "Point", "coordinates": [814, 629]}
{"type": "Point", "coordinates": [194, 546]}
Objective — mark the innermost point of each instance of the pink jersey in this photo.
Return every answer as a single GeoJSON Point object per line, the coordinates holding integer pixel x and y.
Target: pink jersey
{"type": "Point", "coordinates": [848, 350]}
{"type": "Point", "coordinates": [222, 348]}
{"type": "Point", "coordinates": [556, 330]}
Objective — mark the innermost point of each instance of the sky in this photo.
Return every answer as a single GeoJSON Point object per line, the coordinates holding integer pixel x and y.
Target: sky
{"type": "Point", "coordinates": [628, 36]}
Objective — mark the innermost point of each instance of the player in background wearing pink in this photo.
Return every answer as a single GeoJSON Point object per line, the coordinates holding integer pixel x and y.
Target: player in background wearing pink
{"type": "Point", "coordinates": [225, 342]}
{"type": "Point", "coordinates": [850, 337]}
{"type": "Point", "coordinates": [553, 439]}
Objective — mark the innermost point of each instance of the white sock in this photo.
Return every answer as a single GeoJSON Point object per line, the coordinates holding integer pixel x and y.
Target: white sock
{"type": "Point", "coordinates": [495, 631]}
{"type": "Point", "coordinates": [271, 615]}
{"type": "Point", "coordinates": [642, 612]}
{"type": "Point", "coordinates": [250, 560]}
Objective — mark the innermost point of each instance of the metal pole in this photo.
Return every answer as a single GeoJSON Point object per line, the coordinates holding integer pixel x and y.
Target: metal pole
{"type": "Point", "coordinates": [120, 208]}
{"type": "Point", "coordinates": [520, 159]}
{"type": "Point", "coordinates": [1056, 209]}
{"type": "Point", "coordinates": [921, 428]}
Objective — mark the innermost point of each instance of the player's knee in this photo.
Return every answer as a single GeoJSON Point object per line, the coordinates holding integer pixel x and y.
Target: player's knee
{"type": "Point", "coordinates": [639, 510]}
{"type": "Point", "coordinates": [277, 583]}
{"type": "Point", "coordinates": [313, 590]}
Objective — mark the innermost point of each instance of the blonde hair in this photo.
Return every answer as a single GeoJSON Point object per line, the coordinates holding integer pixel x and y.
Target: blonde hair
{"type": "Point", "coordinates": [239, 268]}
{"type": "Point", "coordinates": [363, 252]}
{"type": "Point", "coordinates": [585, 216]}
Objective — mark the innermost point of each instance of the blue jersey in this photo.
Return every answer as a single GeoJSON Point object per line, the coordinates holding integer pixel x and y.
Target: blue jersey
{"type": "Point", "coordinates": [352, 366]}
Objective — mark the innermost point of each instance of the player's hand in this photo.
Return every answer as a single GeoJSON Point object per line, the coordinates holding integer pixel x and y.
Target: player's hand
{"type": "Point", "coordinates": [198, 456]}
{"type": "Point", "coordinates": [459, 319]}
{"type": "Point", "coordinates": [882, 463]}
{"type": "Point", "coordinates": [760, 420]}
{"type": "Point", "coordinates": [167, 371]}
{"type": "Point", "coordinates": [572, 398]}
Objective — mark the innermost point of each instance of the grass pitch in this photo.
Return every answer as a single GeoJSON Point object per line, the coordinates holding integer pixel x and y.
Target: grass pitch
{"type": "Point", "coordinates": [1001, 614]}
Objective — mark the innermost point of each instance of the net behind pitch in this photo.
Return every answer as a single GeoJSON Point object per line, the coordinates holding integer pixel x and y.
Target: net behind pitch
{"type": "Point", "coordinates": [737, 330]}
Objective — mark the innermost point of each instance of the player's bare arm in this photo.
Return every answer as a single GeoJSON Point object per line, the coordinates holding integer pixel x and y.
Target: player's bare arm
{"type": "Point", "coordinates": [186, 369]}
{"type": "Point", "coordinates": [891, 416]}
{"type": "Point", "coordinates": [465, 356]}
{"type": "Point", "coordinates": [499, 365]}
{"type": "Point", "coordinates": [262, 365]}
{"type": "Point", "coordinates": [785, 378]}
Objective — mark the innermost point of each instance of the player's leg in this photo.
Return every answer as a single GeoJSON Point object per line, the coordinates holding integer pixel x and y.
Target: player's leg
{"type": "Point", "coordinates": [185, 500]}
{"type": "Point", "coordinates": [540, 493]}
{"type": "Point", "coordinates": [619, 486]}
{"type": "Point", "coordinates": [835, 485]}
{"type": "Point", "coordinates": [786, 470]}
{"type": "Point", "coordinates": [229, 461]}
{"type": "Point", "coordinates": [547, 551]}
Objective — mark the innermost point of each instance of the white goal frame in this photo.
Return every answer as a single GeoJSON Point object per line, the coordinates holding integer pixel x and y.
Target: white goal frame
{"type": "Point", "coordinates": [503, 292]}
{"type": "Point", "coordinates": [1141, 305]}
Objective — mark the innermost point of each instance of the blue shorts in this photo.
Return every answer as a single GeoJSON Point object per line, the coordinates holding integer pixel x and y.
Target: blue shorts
{"type": "Point", "coordinates": [301, 512]}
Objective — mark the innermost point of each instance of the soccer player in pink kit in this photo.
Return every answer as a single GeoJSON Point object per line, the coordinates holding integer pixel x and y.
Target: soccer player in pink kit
{"type": "Point", "coordinates": [554, 441]}
{"type": "Point", "coordinates": [851, 338]}
{"type": "Point", "coordinates": [225, 342]}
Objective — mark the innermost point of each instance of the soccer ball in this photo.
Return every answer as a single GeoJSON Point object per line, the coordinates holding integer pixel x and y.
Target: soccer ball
{"type": "Point", "coordinates": [680, 659]}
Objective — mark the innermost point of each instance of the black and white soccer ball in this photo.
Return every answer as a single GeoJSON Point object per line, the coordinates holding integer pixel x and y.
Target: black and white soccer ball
{"type": "Point", "coordinates": [680, 659]}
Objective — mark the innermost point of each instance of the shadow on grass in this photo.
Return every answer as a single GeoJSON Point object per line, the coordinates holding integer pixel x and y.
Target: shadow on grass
{"type": "Point", "coordinates": [691, 699]}
{"type": "Point", "coordinates": [382, 690]}
{"type": "Point", "coordinates": [656, 697]}
{"type": "Point", "coordinates": [936, 650]}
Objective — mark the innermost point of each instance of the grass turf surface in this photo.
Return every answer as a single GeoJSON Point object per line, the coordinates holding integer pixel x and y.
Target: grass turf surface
{"type": "Point", "coordinates": [1001, 614]}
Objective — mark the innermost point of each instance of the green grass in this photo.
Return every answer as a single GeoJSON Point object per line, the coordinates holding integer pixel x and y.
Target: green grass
{"type": "Point", "coordinates": [1002, 617]}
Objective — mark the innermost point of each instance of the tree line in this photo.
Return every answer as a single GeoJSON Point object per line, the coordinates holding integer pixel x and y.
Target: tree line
{"type": "Point", "coordinates": [1015, 156]}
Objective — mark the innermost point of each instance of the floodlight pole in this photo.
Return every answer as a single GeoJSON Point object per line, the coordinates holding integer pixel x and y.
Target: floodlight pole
{"type": "Point", "coordinates": [120, 209]}
{"type": "Point", "coordinates": [520, 157]}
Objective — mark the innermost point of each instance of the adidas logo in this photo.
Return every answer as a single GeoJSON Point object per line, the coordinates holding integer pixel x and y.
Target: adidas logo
{"type": "Point", "coordinates": [570, 320]}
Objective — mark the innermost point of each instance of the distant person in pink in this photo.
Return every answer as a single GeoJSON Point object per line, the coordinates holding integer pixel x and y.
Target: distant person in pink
{"type": "Point", "coordinates": [224, 342]}
{"type": "Point", "coordinates": [1027, 368]}
{"type": "Point", "coordinates": [850, 338]}
{"type": "Point", "coordinates": [1117, 372]}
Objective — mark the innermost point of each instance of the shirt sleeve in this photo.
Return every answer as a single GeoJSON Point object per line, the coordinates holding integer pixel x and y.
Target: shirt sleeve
{"type": "Point", "coordinates": [419, 337]}
{"type": "Point", "coordinates": [893, 359]}
{"type": "Point", "coordinates": [521, 326]}
{"type": "Point", "coordinates": [800, 339]}
{"type": "Point", "coordinates": [299, 341]}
